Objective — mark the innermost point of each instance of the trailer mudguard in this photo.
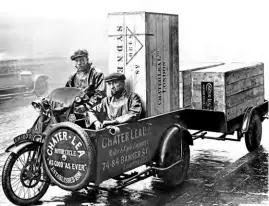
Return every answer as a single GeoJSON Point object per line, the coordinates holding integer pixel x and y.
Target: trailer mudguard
{"type": "Point", "coordinates": [171, 133]}
{"type": "Point", "coordinates": [17, 148]}
{"type": "Point", "coordinates": [246, 119]}
{"type": "Point", "coordinates": [261, 109]}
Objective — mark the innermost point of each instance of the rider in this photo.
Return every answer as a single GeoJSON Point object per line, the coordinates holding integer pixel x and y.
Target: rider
{"type": "Point", "coordinates": [120, 107]}
{"type": "Point", "coordinates": [87, 78]}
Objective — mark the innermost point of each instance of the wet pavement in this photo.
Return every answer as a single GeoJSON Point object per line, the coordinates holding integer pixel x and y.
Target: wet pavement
{"type": "Point", "coordinates": [220, 173]}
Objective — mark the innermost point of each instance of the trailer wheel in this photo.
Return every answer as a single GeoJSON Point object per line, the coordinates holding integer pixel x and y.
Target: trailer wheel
{"type": "Point", "coordinates": [254, 133]}
{"type": "Point", "coordinates": [176, 174]}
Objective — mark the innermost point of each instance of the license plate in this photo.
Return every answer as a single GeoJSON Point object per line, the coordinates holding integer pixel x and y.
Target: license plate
{"type": "Point", "coordinates": [28, 137]}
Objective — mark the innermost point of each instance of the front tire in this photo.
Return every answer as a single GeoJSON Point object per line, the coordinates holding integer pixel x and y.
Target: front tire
{"type": "Point", "coordinates": [254, 134]}
{"type": "Point", "coordinates": [23, 183]}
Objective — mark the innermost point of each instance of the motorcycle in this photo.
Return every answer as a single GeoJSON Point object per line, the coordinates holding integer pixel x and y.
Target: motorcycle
{"type": "Point", "coordinates": [24, 179]}
{"type": "Point", "coordinates": [59, 150]}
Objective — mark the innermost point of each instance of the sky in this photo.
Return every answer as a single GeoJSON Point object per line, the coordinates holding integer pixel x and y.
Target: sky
{"type": "Point", "coordinates": [209, 30]}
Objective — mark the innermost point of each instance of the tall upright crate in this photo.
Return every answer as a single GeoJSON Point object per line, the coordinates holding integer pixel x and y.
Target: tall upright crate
{"type": "Point", "coordinates": [144, 46]}
{"type": "Point", "coordinates": [230, 88]}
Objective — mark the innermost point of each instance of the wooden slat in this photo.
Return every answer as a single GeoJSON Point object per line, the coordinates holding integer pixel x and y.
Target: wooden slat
{"type": "Point", "coordinates": [149, 61]}
{"type": "Point", "coordinates": [187, 95]}
{"type": "Point", "coordinates": [159, 105]}
{"type": "Point", "coordinates": [239, 98]}
{"type": "Point", "coordinates": [174, 98]}
{"type": "Point", "coordinates": [240, 109]}
{"type": "Point", "coordinates": [152, 66]}
{"type": "Point", "coordinates": [200, 76]}
{"type": "Point", "coordinates": [167, 72]}
{"type": "Point", "coordinates": [135, 69]}
{"type": "Point", "coordinates": [243, 85]}
{"type": "Point", "coordinates": [244, 73]}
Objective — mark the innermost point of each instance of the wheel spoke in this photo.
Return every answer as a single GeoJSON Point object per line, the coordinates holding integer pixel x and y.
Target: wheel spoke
{"type": "Point", "coordinates": [15, 164]}
{"type": "Point", "coordinates": [14, 178]}
{"type": "Point", "coordinates": [29, 192]}
{"type": "Point", "coordinates": [30, 182]}
{"type": "Point", "coordinates": [15, 170]}
{"type": "Point", "coordinates": [19, 191]}
{"type": "Point", "coordinates": [23, 156]}
{"type": "Point", "coordinates": [24, 193]}
{"type": "Point", "coordinates": [17, 186]}
{"type": "Point", "coordinates": [35, 190]}
{"type": "Point", "coordinates": [15, 182]}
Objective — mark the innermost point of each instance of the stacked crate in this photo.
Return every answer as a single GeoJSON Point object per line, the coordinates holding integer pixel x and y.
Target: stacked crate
{"type": "Point", "coordinates": [144, 46]}
{"type": "Point", "coordinates": [230, 88]}
{"type": "Point", "coordinates": [185, 72]}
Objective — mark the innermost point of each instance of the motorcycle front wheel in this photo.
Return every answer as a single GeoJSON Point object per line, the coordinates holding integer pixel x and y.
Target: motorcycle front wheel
{"type": "Point", "coordinates": [24, 180]}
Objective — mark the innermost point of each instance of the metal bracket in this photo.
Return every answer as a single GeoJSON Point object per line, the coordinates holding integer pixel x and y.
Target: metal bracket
{"type": "Point", "coordinates": [221, 137]}
{"type": "Point", "coordinates": [166, 168]}
{"type": "Point", "coordinates": [140, 176]}
{"type": "Point", "coordinates": [246, 119]}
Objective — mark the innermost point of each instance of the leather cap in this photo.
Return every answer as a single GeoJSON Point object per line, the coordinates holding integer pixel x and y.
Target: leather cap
{"type": "Point", "coordinates": [79, 53]}
{"type": "Point", "coordinates": [115, 76]}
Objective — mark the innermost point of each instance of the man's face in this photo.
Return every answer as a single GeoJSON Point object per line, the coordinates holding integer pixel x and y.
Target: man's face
{"type": "Point", "coordinates": [81, 62]}
{"type": "Point", "coordinates": [115, 86]}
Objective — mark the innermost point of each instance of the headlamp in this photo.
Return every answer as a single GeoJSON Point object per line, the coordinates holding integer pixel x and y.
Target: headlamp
{"type": "Point", "coordinates": [37, 106]}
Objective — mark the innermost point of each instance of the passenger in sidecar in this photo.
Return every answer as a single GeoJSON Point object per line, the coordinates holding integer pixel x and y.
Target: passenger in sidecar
{"type": "Point", "coordinates": [120, 107]}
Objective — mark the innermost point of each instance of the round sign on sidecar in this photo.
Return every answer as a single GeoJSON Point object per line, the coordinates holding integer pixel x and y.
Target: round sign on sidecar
{"type": "Point", "coordinates": [68, 156]}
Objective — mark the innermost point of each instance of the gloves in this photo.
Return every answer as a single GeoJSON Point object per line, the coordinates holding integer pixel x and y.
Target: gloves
{"type": "Point", "coordinates": [98, 125]}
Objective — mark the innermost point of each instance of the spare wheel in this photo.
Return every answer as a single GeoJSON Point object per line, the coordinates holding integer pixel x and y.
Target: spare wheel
{"type": "Point", "coordinates": [68, 155]}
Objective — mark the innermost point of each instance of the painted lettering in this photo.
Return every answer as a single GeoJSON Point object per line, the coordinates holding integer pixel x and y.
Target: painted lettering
{"type": "Point", "coordinates": [58, 137]}
{"type": "Point", "coordinates": [159, 78]}
{"type": "Point", "coordinates": [119, 28]}
{"type": "Point", "coordinates": [120, 50]}
{"type": "Point", "coordinates": [126, 136]}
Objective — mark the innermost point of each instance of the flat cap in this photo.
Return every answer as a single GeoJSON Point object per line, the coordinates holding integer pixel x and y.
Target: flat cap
{"type": "Point", "coordinates": [115, 76]}
{"type": "Point", "coordinates": [79, 53]}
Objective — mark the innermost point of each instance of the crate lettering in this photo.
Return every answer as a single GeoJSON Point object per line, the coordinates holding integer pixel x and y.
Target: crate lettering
{"type": "Point", "coordinates": [119, 50]}
{"type": "Point", "coordinates": [144, 46]}
{"type": "Point", "coordinates": [207, 95]}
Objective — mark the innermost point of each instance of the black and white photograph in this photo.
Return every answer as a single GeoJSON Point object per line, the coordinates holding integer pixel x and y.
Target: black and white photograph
{"type": "Point", "coordinates": [152, 103]}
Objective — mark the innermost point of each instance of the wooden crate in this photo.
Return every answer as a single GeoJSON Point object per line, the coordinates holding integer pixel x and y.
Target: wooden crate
{"type": "Point", "coordinates": [230, 88]}
{"type": "Point", "coordinates": [144, 46]}
{"type": "Point", "coordinates": [185, 79]}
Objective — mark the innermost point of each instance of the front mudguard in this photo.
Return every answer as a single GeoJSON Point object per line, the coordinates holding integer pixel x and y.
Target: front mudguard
{"type": "Point", "coordinates": [16, 148]}
{"type": "Point", "coordinates": [171, 133]}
